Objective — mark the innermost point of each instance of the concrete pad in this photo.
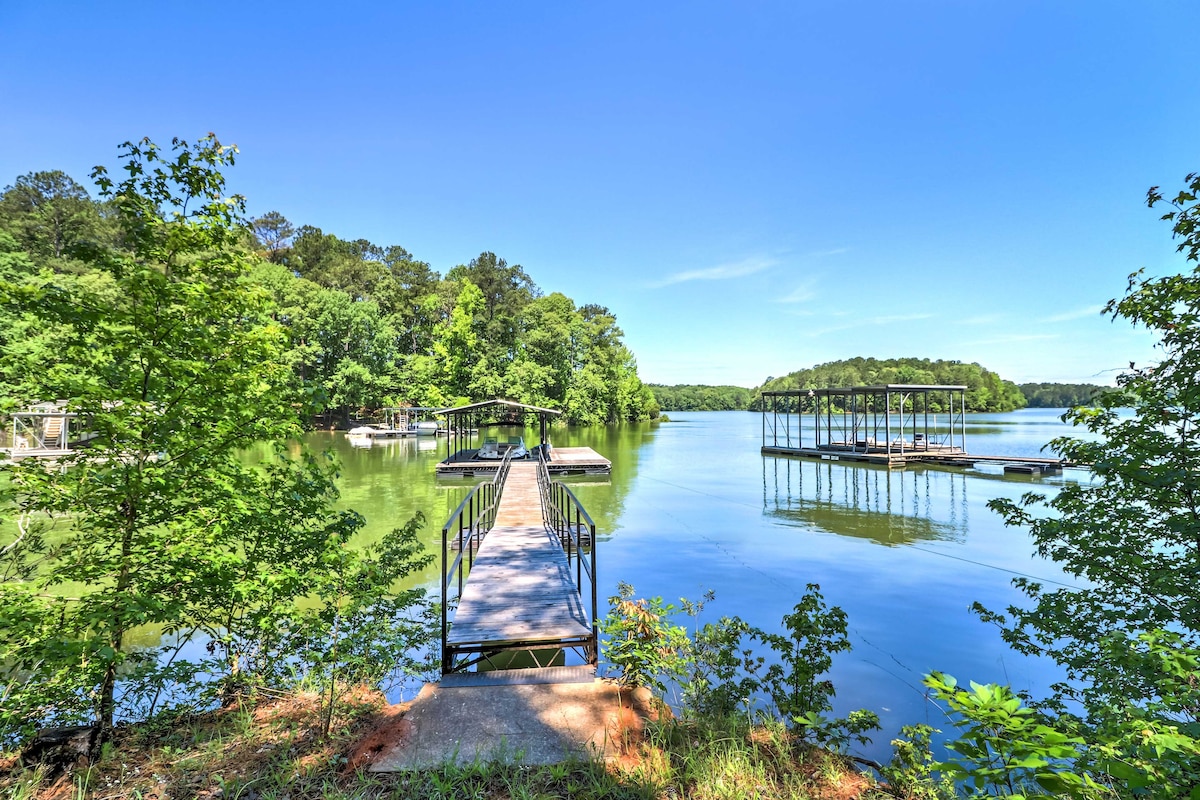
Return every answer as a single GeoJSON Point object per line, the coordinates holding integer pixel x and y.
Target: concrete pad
{"type": "Point", "coordinates": [521, 724]}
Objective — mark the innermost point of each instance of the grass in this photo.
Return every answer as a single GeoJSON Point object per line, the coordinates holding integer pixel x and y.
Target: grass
{"type": "Point", "coordinates": [273, 750]}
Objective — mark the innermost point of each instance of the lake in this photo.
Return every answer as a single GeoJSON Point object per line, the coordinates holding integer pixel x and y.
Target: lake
{"type": "Point", "coordinates": [692, 506]}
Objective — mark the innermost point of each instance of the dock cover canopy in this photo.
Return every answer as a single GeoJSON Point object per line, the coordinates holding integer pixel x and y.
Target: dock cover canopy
{"type": "Point", "coordinates": [462, 418]}
{"type": "Point", "coordinates": [488, 403]}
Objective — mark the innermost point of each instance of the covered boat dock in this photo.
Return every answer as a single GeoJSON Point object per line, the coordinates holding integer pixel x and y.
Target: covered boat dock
{"type": "Point", "coordinates": [890, 424]}
{"type": "Point", "coordinates": [465, 423]}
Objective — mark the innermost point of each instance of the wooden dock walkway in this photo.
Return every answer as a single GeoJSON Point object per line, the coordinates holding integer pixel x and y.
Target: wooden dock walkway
{"type": "Point", "coordinates": [520, 593]}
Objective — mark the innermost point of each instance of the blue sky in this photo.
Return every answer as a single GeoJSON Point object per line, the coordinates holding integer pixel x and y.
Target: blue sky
{"type": "Point", "coordinates": [751, 187]}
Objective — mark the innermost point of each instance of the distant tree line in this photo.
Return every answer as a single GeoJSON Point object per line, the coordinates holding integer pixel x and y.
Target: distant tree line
{"type": "Point", "coordinates": [368, 325]}
{"type": "Point", "coordinates": [1061, 395]}
{"type": "Point", "coordinates": [687, 397]}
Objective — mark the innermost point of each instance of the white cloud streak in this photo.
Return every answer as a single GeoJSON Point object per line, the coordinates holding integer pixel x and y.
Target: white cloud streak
{"type": "Point", "coordinates": [721, 272]}
{"type": "Point", "coordinates": [801, 294]}
{"type": "Point", "coordinates": [881, 320]}
{"type": "Point", "coordinates": [836, 251]}
{"type": "Point", "coordinates": [1079, 313]}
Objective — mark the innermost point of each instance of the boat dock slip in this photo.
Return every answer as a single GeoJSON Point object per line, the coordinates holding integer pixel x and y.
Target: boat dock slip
{"type": "Point", "coordinates": [563, 461]}
{"type": "Point", "coordinates": [893, 425]}
{"type": "Point", "coordinates": [519, 572]}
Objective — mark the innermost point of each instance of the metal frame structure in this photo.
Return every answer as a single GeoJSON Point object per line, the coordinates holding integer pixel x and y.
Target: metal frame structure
{"type": "Point", "coordinates": [42, 430]}
{"type": "Point", "coordinates": [463, 419]}
{"type": "Point", "coordinates": [887, 420]}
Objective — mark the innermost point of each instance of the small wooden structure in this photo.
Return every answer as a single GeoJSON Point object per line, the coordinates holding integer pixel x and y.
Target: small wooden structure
{"type": "Point", "coordinates": [516, 537]}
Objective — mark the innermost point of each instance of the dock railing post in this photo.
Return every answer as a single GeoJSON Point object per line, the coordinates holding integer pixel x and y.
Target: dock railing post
{"type": "Point", "coordinates": [445, 600]}
{"type": "Point", "coordinates": [592, 576]}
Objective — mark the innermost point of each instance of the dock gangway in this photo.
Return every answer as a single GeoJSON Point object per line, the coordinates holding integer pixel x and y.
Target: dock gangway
{"type": "Point", "coordinates": [518, 573]}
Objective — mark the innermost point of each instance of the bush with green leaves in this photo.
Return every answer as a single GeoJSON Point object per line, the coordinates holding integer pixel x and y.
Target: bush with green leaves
{"type": "Point", "coordinates": [641, 642]}
{"type": "Point", "coordinates": [814, 632]}
{"type": "Point", "coordinates": [1005, 748]}
{"type": "Point", "coordinates": [721, 668]}
{"type": "Point", "coordinates": [913, 772]}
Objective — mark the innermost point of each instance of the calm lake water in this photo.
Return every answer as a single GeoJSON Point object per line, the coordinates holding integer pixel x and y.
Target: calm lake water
{"type": "Point", "coordinates": [692, 506]}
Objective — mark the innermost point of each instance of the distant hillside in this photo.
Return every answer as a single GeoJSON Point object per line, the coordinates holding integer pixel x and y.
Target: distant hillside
{"type": "Point", "coordinates": [691, 397]}
{"type": "Point", "coordinates": [1060, 395]}
{"type": "Point", "coordinates": [986, 391]}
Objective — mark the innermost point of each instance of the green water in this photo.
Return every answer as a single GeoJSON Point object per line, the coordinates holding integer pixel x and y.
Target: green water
{"type": "Point", "coordinates": [692, 505]}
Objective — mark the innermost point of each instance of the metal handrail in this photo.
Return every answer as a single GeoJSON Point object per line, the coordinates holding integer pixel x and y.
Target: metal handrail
{"type": "Point", "coordinates": [474, 517]}
{"type": "Point", "coordinates": [565, 515]}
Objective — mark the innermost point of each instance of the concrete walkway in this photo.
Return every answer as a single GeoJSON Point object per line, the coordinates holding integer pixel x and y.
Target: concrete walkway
{"type": "Point", "coordinates": [525, 724]}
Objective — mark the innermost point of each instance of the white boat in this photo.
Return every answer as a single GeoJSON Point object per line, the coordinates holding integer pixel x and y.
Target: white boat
{"type": "Point", "coordinates": [494, 450]}
{"type": "Point", "coordinates": [426, 428]}
{"type": "Point", "coordinates": [378, 432]}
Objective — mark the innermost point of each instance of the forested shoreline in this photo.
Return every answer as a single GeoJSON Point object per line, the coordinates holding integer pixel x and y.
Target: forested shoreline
{"type": "Point", "coordinates": [373, 326]}
{"type": "Point", "coordinates": [369, 325]}
{"type": "Point", "coordinates": [1061, 395]}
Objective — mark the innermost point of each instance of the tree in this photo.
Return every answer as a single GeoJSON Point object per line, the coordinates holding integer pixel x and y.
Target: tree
{"type": "Point", "coordinates": [178, 368]}
{"type": "Point", "coordinates": [274, 233]}
{"type": "Point", "coordinates": [456, 341]}
{"type": "Point", "coordinates": [49, 214]}
{"type": "Point", "coordinates": [1130, 637]}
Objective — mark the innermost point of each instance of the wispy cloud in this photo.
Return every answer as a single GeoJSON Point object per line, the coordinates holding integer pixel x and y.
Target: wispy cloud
{"type": "Point", "coordinates": [801, 294]}
{"type": "Point", "coordinates": [721, 272]}
{"type": "Point", "coordinates": [1079, 313]}
{"type": "Point", "coordinates": [887, 320]}
{"type": "Point", "coordinates": [836, 251]}
{"type": "Point", "coordinates": [881, 320]}
{"type": "Point", "coordinates": [982, 319]}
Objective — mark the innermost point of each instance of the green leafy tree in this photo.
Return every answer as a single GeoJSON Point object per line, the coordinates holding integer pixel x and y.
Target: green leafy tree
{"type": "Point", "coordinates": [174, 371]}
{"type": "Point", "coordinates": [686, 397]}
{"type": "Point", "coordinates": [176, 361]}
{"type": "Point", "coordinates": [50, 215]}
{"type": "Point", "coordinates": [274, 234]}
{"type": "Point", "coordinates": [1060, 395]}
{"type": "Point", "coordinates": [1128, 635]}
{"type": "Point", "coordinates": [456, 341]}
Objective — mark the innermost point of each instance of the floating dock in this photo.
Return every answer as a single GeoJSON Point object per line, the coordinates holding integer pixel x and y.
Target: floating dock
{"type": "Point", "coordinates": [563, 461]}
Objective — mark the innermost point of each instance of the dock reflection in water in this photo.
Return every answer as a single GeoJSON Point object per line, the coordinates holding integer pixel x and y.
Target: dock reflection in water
{"type": "Point", "coordinates": [890, 507]}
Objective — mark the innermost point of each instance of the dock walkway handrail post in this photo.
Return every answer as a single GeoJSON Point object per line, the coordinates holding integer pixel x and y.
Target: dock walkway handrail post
{"type": "Point", "coordinates": [565, 515]}
{"type": "Point", "coordinates": [475, 515]}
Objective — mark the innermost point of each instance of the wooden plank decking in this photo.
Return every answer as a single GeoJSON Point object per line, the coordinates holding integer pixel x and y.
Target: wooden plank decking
{"type": "Point", "coordinates": [520, 590]}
